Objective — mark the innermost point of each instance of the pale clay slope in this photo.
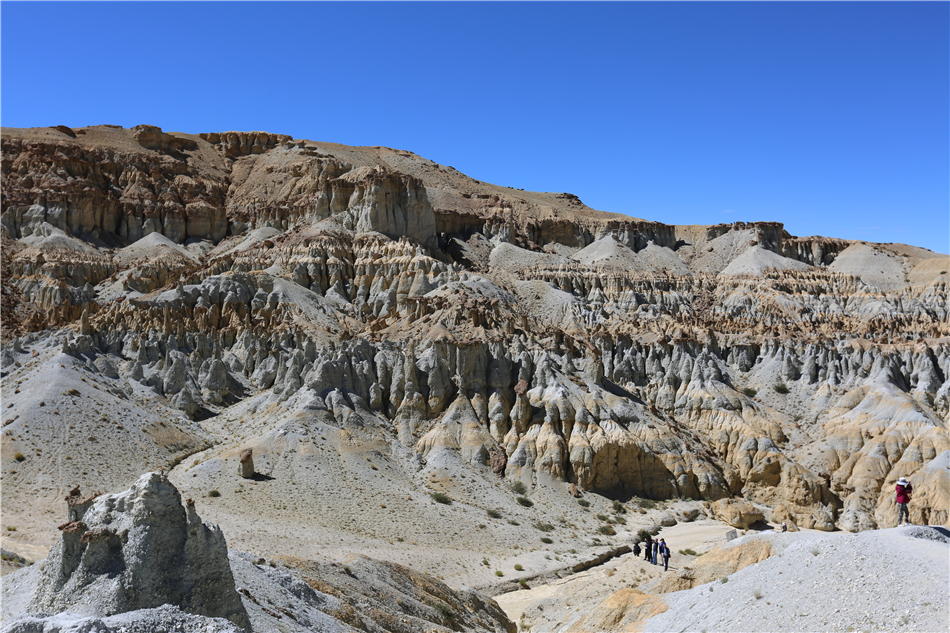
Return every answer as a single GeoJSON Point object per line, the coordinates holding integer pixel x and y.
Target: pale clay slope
{"type": "Point", "coordinates": [756, 260]}
{"type": "Point", "coordinates": [892, 580]}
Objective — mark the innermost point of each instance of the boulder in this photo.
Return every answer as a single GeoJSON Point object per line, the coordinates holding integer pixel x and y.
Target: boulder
{"type": "Point", "coordinates": [736, 512]}
{"type": "Point", "coordinates": [666, 519]}
{"type": "Point", "coordinates": [781, 514]}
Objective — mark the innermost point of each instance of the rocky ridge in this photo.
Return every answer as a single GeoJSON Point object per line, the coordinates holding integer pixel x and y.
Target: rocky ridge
{"type": "Point", "coordinates": [369, 290]}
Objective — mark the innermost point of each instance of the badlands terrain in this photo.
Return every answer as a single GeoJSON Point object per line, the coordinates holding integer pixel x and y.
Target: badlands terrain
{"type": "Point", "coordinates": [354, 358]}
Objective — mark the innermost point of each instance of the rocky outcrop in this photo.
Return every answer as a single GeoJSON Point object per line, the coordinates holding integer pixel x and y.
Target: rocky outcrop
{"type": "Point", "coordinates": [139, 549]}
{"type": "Point", "coordinates": [369, 281]}
{"type": "Point", "coordinates": [736, 512]}
{"type": "Point", "coordinates": [717, 564]}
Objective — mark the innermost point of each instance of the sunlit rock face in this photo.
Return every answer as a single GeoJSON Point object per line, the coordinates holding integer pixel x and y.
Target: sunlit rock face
{"type": "Point", "coordinates": [523, 331]}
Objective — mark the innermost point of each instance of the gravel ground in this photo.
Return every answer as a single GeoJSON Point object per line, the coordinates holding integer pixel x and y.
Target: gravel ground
{"type": "Point", "coordinates": [881, 580]}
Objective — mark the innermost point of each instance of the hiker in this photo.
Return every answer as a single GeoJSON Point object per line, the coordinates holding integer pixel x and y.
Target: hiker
{"type": "Point", "coordinates": [656, 550]}
{"type": "Point", "coordinates": [665, 553]}
{"type": "Point", "coordinates": [784, 526]}
{"type": "Point", "coordinates": [648, 548]}
{"type": "Point", "coordinates": [636, 549]}
{"type": "Point", "coordinates": [903, 498]}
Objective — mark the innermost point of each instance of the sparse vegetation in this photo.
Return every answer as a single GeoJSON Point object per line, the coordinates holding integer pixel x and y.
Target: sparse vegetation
{"type": "Point", "coordinates": [214, 493]}
{"type": "Point", "coordinates": [19, 457]}
{"type": "Point", "coordinates": [602, 517]}
{"type": "Point", "coordinates": [441, 497]}
{"type": "Point", "coordinates": [643, 534]}
{"type": "Point", "coordinates": [607, 529]}
{"type": "Point", "coordinates": [546, 540]}
{"type": "Point", "coordinates": [781, 388]}
{"type": "Point", "coordinates": [749, 391]}
{"type": "Point", "coordinates": [494, 514]}
{"type": "Point", "coordinates": [518, 567]}
{"type": "Point", "coordinates": [445, 610]}
{"type": "Point", "coordinates": [649, 504]}
{"type": "Point", "coordinates": [688, 552]}
{"type": "Point", "coordinates": [584, 503]}
{"type": "Point", "coordinates": [618, 508]}
{"type": "Point", "coordinates": [619, 520]}
{"type": "Point", "coordinates": [499, 573]}
{"type": "Point", "coordinates": [523, 583]}
{"type": "Point", "coordinates": [11, 528]}
{"type": "Point", "coordinates": [725, 580]}
{"type": "Point", "coordinates": [518, 487]}
{"type": "Point", "coordinates": [526, 502]}
{"type": "Point", "coordinates": [544, 527]}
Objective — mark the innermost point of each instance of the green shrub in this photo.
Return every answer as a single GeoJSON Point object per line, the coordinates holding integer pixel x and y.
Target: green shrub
{"type": "Point", "coordinates": [546, 540]}
{"type": "Point", "coordinates": [494, 514]}
{"type": "Point", "coordinates": [19, 457]}
{"type": "Point", "coordinates": [607, 529]}
{"type": "Point", "coordinates": [618, 508]}
{"type": "Point", "coordinates": [749, 391]}
{"type": "Point", "coordinates": [781, 388]}
{"type": "Point", "coordinates": [725, 580]}
{"type": "Point", "coordinates": [523, 583]}
{"type": "Point", "coordinates": [544, 527]}
{"type": "Point", "coordinates": [525, 502]}
{"type": "Point", "coordinates": [619, 520]}
{"type": "Point", "coordinates": [442, 498]}
{"type": "Point", "coordinates": [214, 493]}
{"type": "Point", "coordinates": [499, 573]}
{"type": "Point", "coordinates": [688, 552]}
{"type": "Point", "coordinates": [519, 487]}
{"type": "Point", "coordinates": [518, 567]}
{"type": "Point", "coordinates": [584, 503]}
{"type": "Point", "coordinates": [11, 528]}
{"type": "Point", "coordinates": [643, 534]}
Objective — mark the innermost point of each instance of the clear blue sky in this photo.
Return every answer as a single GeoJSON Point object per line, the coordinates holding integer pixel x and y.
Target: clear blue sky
{"type": "Point", "coordinates": [833, 118]}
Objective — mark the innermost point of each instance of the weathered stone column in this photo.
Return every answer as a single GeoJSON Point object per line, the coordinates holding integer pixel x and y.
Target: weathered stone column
{"type": "Point", "coordinates": [246, 469]}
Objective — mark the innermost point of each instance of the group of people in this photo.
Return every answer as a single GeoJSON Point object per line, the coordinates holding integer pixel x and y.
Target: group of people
{"type": "Point", "coordinates": [655, 549]}
{"type": "Point", "coordinates": [652, 550]}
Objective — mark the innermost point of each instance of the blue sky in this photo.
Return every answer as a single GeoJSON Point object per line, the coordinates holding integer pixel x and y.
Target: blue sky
{"type": "Point", "coordinates": [833, 118]}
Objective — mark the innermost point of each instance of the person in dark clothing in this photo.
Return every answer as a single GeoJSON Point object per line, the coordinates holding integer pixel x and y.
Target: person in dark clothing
{"type": "Point", "coordinates": [648, 549]}
{"type": "Point", "coordinates": [636, 549]}
{"type": "Point", "coordinates": [665, 553]}
{"type": "Point", "coordinates": [903, 498]}
{"type": "Point", "coordinates": [656, 550]}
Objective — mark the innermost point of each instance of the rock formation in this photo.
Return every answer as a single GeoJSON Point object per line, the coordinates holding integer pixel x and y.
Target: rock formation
{"type": "Point", "coordinates": [523, 332]}
{"type": "Point", "coordinates": [139, 549]}
{"type": "Point", "coordinates": [140, 561]}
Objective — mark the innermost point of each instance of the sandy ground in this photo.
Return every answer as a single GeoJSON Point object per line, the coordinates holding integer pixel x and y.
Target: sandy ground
{"type": "Point", "coordinates": [624, 571]}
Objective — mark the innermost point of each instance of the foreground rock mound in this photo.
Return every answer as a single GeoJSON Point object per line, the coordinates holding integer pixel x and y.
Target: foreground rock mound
{"type": "Point", "coordinates": [138, 549]}
{"type": "Point", "coordinates": [140, 561]}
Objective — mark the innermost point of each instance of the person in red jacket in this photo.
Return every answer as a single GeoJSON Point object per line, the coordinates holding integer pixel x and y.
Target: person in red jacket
{"type": "Point", "coordinates": [903, 498]}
